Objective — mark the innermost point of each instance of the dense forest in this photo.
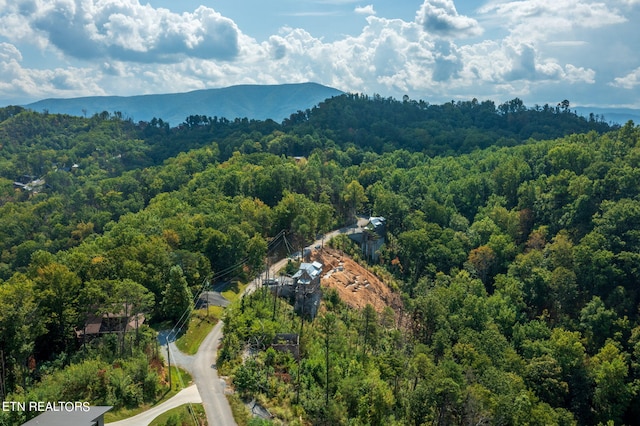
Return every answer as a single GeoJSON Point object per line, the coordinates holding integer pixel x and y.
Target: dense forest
{"type": "Point", "coordinates": [513, 238]}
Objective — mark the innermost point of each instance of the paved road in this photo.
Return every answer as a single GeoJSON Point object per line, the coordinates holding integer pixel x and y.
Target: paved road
{"type": "Point", "coordinates": [178, 358]}
{"type": "Point", "coordinates": [210, 386]}
{"type": "Point", "coordinates": [202, 365]}
{"type": "Point", "coordinates": [185, 396]}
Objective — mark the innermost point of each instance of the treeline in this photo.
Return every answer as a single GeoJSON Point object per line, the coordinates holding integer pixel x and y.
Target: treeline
{"type": "Point", "coordinates": [380, 125]}
{"type": "Point", "coordinates": [385, 124]}
{"type": "Point", "coordinates": [543, 232]}
{"type": "Point", "coordinates": [370, 123]}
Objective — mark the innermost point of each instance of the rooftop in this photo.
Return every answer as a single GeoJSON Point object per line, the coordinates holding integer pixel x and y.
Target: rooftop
{"type": "Point", "coordinates": [377, 221]}
{"type": "Point", "coordinates": [91, 417]}
{"type": "Point", "coordinates": [308, 271]}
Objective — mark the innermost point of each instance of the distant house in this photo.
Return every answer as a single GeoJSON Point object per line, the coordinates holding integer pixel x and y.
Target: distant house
{"type": "Point", "coordinates": [66, 168]}
{"type": "Point", "coordinates": [377, 224]}
{"type": "Point", "coordinates": [93, 416]}
{"type": "Point", "coordinates": [110, 322]}
{"type": "Point", "coordinates": [371, 237]}
{"type": "Point", "coordinates": [29, 183]}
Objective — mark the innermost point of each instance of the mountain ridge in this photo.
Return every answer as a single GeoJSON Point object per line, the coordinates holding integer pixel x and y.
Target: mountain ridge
{"type": "Point", "coordinates": [253, 101]}
{"type": "Point", "coordinates": [615, 115]}
{"type": "Point", "coordinates": [258, 102]}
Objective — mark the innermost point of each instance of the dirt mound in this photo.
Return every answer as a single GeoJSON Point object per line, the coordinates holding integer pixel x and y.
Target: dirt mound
{"type": "Point", "coordinates": [356, 285]}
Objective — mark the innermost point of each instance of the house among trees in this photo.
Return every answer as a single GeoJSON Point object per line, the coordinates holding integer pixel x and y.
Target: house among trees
{"type": "Point", "coordinates": [371, 237]}
{"type": "Point", "coordinates": [302, 289]}
{"type": "Point", "coordinates": [29, 183]}
{"type": "Point", "coordinates": [110, 322]}
{"type": "Point", "coordinates": [306, 285]}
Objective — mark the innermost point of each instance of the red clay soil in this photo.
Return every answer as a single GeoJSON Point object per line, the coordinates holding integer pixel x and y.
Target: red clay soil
{"type": "Point", "coordinates": [356, 285]}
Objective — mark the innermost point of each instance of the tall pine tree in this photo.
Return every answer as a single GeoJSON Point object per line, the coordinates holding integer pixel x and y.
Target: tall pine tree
{"type": "Point", "coordinates": [176, 297]}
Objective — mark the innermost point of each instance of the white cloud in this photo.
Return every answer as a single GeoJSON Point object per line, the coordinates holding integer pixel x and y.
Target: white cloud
{"type": "Point", "coordinates": [365, 10]}
{"type": "Point", "coordinates": [122, 29]}
{"type": "Point", "coordinates": [629, 81]}
{"type": "Point", "coordinates": [21, 84]}
{"type": "Point", "coordinates": [137, 49]}
{"type": "Point", "coordinates": [574, 74]}
{"type": "Point", "coordinates": [447, 62]}
{"type": "Point", "coordinates": [530, 20]}
{"type": "Point", "coordinates": [440, 18]}
{"type": "Point", "coordinates": [8, 53]}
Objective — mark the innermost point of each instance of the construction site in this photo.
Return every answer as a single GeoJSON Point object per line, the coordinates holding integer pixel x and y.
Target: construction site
{"type": "Point", "coordinates": [356, 286]}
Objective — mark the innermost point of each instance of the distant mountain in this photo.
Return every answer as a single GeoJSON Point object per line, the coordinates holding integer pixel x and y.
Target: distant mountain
{"type": "Point", "coordinates": [614, 115]}
{"type": "Point", "coordinates": [258, 102]}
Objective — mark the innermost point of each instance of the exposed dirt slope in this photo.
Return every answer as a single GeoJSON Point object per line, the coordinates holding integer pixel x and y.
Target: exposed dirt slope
{"type": "Point", "coordinates": [356, 286]}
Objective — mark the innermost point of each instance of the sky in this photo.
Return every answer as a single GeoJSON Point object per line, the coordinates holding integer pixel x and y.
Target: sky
{"type": "Point", "coordinates": [542, 51]}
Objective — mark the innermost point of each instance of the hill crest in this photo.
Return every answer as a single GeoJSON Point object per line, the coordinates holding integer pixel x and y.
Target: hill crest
{"type": "Point", "coordinates": [258, 102]}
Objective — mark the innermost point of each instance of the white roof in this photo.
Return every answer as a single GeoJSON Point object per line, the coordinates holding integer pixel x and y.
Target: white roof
{"type": "Point", "coordinates": [377, 220]}
{"type": "Point", "coordinates": [312, 269]}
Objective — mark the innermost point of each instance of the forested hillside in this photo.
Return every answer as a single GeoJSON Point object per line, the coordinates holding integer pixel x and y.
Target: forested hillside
{"type": "Point", "coordinates": [512, 236]}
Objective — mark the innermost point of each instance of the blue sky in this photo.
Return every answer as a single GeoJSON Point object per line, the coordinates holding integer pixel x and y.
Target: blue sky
{"type": "Point", "coordinates": [542, 51]}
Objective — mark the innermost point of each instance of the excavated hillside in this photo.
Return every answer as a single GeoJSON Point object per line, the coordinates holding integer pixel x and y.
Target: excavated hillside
{"type": "Point", "coordinates": [356, 285]}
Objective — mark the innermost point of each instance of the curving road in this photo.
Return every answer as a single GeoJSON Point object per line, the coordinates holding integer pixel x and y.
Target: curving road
{"type": "Point", "coordinates": [185, 396]}
{"type": "Point", "coordinates": [209, 388]}
{"type": "Point", "coordinates": [204, 370]}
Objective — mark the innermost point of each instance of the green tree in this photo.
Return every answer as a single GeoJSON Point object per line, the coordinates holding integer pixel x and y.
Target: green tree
{"type": "Point", "coordinates": [543, 375]}
{"type": "Point", "coordinates": [20, 326]}
{"type": "Point", "coordinates": [256, 252]}
{"type": "Point", "coordinates": [609, 370]}
{"type": "Point", "coordinates": [597, 323]}
{"type": "Point", "coordinates": [354, 196]}
{"type": "Point", "coordinates": [177, 299]}
{"type": "Point", "coordinates": [58, 288]}
{"type": "Point", "coordinates": [135, 298]}
{"type": "Point", "coordinates": [482, 259]}
{"type": "Point", "coordinates": [369, 329]}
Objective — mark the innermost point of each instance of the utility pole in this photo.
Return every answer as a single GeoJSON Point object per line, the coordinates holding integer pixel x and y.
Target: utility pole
{"type": "Point", "coordinates": [2, 389]}
{"type": "Point", "coordinates": [265, 284]}
{"type": "Point", "coordinates": [276, 293]}
{"type": "Point", "coordinates": [169, 361]}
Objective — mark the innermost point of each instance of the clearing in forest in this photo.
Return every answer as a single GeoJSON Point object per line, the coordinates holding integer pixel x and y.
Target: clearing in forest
{"type": "Point", "coordinates": [356, 285]}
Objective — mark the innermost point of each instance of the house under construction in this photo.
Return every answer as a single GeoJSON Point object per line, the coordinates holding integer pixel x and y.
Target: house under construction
{"type": "Point", "coordinates": [302, 289]}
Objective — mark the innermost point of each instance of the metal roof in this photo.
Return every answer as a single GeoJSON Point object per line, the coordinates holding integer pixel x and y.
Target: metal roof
{"type": "Point", "coordinates": [70, 418]}
{"type": "Point", "coordinates": [377, 221]}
